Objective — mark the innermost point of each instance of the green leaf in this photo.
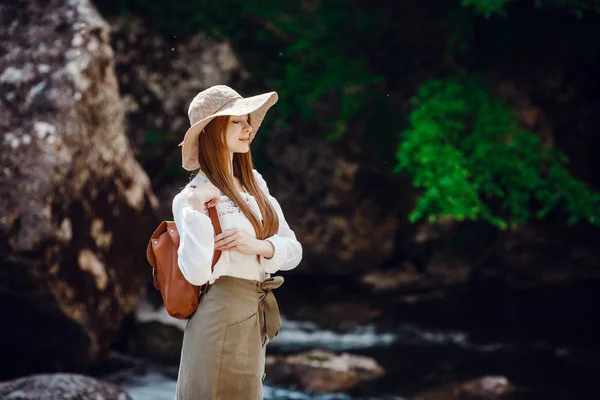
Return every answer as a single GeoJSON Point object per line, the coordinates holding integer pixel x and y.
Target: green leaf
{"type": "Point", "coordinates": [464, 148]}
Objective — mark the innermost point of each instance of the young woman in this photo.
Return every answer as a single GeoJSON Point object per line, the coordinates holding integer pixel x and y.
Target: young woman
{"type": "Point", "coordinates": [223, 354]}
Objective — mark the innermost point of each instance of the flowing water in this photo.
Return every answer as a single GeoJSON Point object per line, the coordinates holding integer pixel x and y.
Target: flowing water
{"type": "Point", "coordinates": [437, 343]}
{"type": "Point", "coordinates": [158, 382]}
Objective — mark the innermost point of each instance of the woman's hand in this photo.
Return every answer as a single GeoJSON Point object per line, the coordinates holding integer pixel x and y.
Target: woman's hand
{"type": "Point", "coordinates": [202, 194]}
{"type": "Point", "coordinates": [240, 241]}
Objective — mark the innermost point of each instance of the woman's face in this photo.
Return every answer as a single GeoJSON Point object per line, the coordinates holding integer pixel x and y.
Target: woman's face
{"type": "Point", "coordinates": [238, 134]}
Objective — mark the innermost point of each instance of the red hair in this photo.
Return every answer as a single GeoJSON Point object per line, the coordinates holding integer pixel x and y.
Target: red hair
{"type": "Point", "coordinates": [213, 157]}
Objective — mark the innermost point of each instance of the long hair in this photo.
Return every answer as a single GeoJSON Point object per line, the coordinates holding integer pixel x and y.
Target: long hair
{"type": "Point", "coordinates": [213, 157]}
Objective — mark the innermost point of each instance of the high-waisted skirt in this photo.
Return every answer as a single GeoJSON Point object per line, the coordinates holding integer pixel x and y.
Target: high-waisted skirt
{"type": "Point", "coordinates": [223, 353]}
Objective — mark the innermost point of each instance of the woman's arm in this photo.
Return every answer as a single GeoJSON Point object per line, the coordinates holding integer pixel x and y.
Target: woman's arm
{"type": "Point", "coordinates": [196, 246]}
{"type": "Point", "coordinates": [287, 250]}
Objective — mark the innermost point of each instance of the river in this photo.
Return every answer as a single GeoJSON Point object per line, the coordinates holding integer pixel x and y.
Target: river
{"type": "Point", "coordinates": [548, 353]}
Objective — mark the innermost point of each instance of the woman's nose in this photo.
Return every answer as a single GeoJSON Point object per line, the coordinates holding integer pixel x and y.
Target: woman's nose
{"type": "Point", "coordinates": [248, 128]}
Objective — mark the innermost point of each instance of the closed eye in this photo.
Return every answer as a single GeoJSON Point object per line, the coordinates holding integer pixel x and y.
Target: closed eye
{"type": "Point", "coordinates": [240, 119]}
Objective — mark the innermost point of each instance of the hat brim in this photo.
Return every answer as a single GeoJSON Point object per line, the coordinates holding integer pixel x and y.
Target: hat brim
{"type": "Point", "coordinates": [256, 106]}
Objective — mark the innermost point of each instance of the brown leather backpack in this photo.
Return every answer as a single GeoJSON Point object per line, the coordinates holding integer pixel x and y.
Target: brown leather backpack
{"type": "Point", "coordinates": [179, 296]}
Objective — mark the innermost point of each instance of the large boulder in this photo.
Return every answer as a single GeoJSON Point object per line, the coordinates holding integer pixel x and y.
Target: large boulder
{"type": "Point", "coordinates": [155, 335]}
{"type": "Point", "coordinates": [76, 209]}
{"type": "Point", "coordinates": [61, 386]}
{"type": "Point", "coordinates": [346, 212]}
{"type": "Point", "coordinates": [490, 387]}
{"type": "Point", "coordinates": [319, 371]}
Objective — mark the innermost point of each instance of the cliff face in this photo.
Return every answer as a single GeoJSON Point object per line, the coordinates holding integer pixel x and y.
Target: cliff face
{"type": "Point", "coordinates": [72, 267]}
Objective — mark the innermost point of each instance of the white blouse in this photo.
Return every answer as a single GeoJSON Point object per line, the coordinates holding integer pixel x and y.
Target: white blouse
{"type": "Point", "coordinates": [196, 234]}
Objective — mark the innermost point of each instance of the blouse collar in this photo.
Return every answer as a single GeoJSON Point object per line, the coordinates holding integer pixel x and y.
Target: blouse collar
{"type": "Point", "coordinates": [199, 178]}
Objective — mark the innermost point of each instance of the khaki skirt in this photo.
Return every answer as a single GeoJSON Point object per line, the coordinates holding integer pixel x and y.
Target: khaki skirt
{"type": "Point", "coordinates": [223, 353]}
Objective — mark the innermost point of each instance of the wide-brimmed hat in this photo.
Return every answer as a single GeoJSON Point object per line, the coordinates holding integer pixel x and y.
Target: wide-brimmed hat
{"type": "Point", "coordinates": [217, 101]}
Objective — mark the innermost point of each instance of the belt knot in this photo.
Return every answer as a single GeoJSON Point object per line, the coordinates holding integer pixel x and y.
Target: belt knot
{"type": "Point", "coordinates": [268, 309]}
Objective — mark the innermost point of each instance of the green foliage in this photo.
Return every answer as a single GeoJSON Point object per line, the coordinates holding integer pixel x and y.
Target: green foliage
{"type": "Point", "coordinates": [320, 76]}
{"type": "Point", "coordinates": [465, 149]}
{"type": "Point", "coordinates": [491, 7]}
{"type": "Point", "coordinates": [487, 7]}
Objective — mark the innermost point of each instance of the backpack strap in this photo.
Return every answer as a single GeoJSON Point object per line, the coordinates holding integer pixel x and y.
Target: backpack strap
{"type": "Point", "coordinates": [212, 213]}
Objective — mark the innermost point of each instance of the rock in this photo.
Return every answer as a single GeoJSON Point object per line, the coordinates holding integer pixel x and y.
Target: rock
{"type": "Point", "coordinates": [389, 280]}
{"type": "Point", "coordinates": [338, 314]}
{"type": "Point", "coordinates": [156, 335]}
{"type": "Point", "coordinates": [76, 209]}
{"type": "Point", "coordinates": [319, 371]}
{"type": "Point", "coordinates": [158, 77]}
{"type": "Point", "coordinates": [61, 386]}
{"type": "Point", "coordinates": [157, 342]}
{"type": "Point", "coordinates": [486, 387]}
{"type": "Point", "coordinates": [350, 314]}
{"type": "Point", "coordinates": [346, 213]}
{"type": "Point", "coordinates": [165, 73]}
{"type": "Point", "coordinates": [445, 269]}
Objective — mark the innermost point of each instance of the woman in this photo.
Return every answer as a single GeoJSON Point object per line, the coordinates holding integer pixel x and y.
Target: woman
{"type": "Point", "coordinates": [223, 354]}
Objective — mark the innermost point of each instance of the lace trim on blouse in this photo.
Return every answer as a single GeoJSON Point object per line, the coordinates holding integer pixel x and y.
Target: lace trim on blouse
{"type": "Point", "coordinates": [226, 206]}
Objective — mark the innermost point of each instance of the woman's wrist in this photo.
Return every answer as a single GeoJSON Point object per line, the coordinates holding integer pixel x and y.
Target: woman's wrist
{"type": "Point", "coordinates": [265, 248]}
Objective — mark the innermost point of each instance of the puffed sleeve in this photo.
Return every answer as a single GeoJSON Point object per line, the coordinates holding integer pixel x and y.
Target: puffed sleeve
{"type": "Point", "coordinates": [196, 246]}
{"type": "Point", "coordinates": [288, 250]}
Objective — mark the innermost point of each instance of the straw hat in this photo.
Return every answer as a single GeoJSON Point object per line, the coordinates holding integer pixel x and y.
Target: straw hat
{"type": "Point", "coordinates": [216, 101]}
